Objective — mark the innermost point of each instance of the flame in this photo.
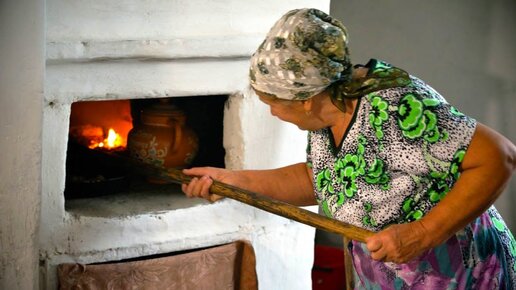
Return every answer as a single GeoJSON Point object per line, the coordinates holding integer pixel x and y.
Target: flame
{"type": "Point", "coordinates": [112, 141]}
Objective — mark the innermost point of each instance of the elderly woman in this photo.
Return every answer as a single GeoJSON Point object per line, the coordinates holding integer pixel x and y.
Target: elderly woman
{"type": "Point", "coordinates": [387, 153]}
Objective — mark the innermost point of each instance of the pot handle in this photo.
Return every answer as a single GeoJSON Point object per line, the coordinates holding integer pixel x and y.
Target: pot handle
{"type": "Point", "coordinates": [178, 136]}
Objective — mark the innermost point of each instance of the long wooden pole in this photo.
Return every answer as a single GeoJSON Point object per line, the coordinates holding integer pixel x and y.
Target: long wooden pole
{"type": "Point", "coordinates": [254, 199]}
{"type": "Point", "coordinates": [278, 207]}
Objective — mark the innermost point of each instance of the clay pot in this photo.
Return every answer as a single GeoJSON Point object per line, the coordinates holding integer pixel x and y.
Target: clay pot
{"type": "Point", "coordinates": [162, 138]}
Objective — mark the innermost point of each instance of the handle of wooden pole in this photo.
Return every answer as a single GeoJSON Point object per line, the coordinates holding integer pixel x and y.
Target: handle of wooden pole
{"type": "Point", "coordinates": [257, 200]}
{"type": "Point", "coordinates": [279, 208]}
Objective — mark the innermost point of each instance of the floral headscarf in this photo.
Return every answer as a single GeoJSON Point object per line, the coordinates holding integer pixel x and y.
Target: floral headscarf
{"type": "Point", "coordinates": [305, 52]}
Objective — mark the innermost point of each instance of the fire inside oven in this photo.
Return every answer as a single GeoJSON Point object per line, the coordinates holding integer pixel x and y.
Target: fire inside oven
{"type": "Point", "coordinates": [176, 132]}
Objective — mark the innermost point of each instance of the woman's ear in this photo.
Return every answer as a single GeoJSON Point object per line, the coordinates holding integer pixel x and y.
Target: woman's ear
{"type": "Point", "coordinates": [307, 105]}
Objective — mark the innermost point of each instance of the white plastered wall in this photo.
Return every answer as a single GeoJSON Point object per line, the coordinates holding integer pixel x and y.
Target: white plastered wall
{"type": "Point", "coordinates": [22, 62]}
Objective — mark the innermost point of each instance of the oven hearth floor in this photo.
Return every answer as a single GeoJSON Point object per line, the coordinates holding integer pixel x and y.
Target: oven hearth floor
{"type": "Point", "coordinates": [134, 201]}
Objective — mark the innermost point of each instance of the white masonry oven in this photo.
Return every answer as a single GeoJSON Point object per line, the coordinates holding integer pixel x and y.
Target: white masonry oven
{"type": "Point", "coordinates": [107, 58]}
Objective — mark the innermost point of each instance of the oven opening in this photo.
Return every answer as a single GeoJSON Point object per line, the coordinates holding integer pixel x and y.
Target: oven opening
{"type": "Point", "coordinates": [178, 132]}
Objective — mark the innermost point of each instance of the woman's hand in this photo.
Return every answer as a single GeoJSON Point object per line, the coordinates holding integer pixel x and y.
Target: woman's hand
{"type": "Point", "coordinates": [399, 243]}
{"type": "Point", "coordinates": [202, 179]}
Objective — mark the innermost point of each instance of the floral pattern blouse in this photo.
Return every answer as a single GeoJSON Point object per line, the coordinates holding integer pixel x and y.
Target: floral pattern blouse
{"type": "Point", "coordinates": [398, 158]}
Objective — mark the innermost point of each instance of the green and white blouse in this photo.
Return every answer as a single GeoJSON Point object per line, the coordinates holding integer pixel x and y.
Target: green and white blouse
{"type": "Point", "coordinates": [399, 157]}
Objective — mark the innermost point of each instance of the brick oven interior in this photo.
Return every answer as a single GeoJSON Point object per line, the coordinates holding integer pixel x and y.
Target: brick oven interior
{"type": "Point", "coordinates": [95, 176]}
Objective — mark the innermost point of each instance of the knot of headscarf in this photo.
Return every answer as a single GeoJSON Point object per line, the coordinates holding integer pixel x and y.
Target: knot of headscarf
{"type": "Point", "coordinates": [380, 75]}
{"type": "Point", "coordinates": [304, 52]}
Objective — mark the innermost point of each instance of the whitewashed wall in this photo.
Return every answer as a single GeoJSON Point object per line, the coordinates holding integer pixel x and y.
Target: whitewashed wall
{"type": "Point", "coordinates": [21, 92]}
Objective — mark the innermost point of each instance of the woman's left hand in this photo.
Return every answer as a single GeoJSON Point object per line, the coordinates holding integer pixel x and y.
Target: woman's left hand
{"type": "Point", "coordinates": [399, 243]}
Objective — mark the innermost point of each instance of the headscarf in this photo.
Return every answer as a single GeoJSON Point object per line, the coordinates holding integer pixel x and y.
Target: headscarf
{"type": "Point", "coordinates": [305, 52]}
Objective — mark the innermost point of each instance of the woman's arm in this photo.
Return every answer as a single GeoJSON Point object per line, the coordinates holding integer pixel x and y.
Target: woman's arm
{"type": "Point", "coordinates": [292, 184]}
{"type": "Point", "coordinates": [486, 169]}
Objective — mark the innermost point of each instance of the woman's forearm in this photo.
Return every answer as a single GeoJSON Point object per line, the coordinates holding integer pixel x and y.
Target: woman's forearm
{"type": "Point", "coordinates": [290, 184]}
{"type": "Point", "coordinates": [487, 168]}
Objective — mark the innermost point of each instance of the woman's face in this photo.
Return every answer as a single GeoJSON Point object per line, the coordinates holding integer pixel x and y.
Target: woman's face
{"type": "Point", "coordinates": [289, 111]}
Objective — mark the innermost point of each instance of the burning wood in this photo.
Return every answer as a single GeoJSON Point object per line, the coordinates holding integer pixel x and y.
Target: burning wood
{"type": "Point", "coordinates": [101, 124]}
{"type": "Point", "coordinates": [95, 137]}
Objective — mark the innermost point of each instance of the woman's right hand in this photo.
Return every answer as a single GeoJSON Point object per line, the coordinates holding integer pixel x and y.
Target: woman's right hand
{"type": "Point", "coordinates": [202, 179]}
